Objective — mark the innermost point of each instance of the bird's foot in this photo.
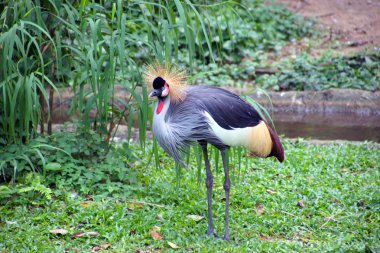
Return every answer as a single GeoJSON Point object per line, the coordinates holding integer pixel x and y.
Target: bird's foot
{"type": "Point", "coordinates": [226, 238]}
{"type": "Point", "coordinates": [212, 233]}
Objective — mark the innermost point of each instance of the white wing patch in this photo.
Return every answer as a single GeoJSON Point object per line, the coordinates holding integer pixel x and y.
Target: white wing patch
{"type": "Point", "coordinates": [256, 139]}
{"type": "Point", "coordinates": [230, 137]}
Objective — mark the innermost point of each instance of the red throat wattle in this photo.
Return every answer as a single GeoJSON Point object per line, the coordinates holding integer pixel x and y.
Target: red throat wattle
{"type": "Point", "coordinates": [160, 106]}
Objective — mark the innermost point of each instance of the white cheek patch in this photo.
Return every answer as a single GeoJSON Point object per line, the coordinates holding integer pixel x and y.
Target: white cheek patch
{"type": "Point", "coordinates": [165, 92]}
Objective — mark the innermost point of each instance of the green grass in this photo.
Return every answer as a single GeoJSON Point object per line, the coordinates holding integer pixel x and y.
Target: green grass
{"type": "Point", "coordinates": [338, 183]}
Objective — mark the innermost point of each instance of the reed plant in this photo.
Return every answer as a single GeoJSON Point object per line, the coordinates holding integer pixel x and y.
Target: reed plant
{"type": "Point", "coordinates": [90, 46]}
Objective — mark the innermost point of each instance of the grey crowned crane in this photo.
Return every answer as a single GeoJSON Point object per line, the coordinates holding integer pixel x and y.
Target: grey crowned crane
{"type": "Point", "coordinates": [204, 114]}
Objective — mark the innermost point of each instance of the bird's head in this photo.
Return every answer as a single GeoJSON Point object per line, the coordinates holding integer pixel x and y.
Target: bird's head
{"type": "Point", "coordinates": [166, 79]}
{"type": "Point", "coordinates": [160, 88]}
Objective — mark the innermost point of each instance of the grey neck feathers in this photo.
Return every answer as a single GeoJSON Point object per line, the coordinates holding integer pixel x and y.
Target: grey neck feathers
{"type": "Point", "coordinates": [165, 132]}
{"type": "Point", "coordinates": [180, 124]}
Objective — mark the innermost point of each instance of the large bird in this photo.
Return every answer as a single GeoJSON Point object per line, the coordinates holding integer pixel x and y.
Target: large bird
{"type": "Point", "coordinates": [204, 114]}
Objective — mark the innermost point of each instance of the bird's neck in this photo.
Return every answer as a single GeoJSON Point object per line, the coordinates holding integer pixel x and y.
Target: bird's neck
{"type": "Point", "coordinates": [162, 104]}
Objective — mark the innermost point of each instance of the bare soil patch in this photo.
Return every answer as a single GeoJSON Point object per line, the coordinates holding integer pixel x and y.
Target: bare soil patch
{"type": "Point", "coordinates": [354, 23]}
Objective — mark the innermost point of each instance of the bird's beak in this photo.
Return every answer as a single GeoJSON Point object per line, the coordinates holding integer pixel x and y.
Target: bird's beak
{"type": "Point", "coordinates": [154, 93]}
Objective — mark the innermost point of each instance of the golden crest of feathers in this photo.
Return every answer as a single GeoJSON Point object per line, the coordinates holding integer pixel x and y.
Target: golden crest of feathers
{"type": "Point", "coordinates": [174, 77]}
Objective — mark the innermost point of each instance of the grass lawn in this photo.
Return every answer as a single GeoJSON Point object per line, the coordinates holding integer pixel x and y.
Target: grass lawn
{"type": "Point", "coordinates": [321, 199]}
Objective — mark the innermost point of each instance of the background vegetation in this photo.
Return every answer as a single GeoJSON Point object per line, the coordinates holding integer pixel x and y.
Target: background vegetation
{"type": "Point", "coordinates": [359, 71]}
{"type": "Point", "coordinates": [91, 46]}
{"type": "Point", "coordinates": [81, 181]}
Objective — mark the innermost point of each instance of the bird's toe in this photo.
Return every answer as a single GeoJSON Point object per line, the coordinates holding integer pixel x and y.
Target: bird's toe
{"type": "Point", "coordinates": [212, 233]}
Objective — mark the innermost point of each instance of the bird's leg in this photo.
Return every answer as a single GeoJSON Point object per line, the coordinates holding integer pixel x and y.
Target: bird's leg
{"type": "Point", "coordinates": [209, 184]}
{"type": "Point", "coordinates": [226, 186]}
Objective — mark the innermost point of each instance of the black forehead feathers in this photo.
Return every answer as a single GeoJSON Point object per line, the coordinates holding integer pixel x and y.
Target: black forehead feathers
{"type": "Point", "coordinates": [158, 82]}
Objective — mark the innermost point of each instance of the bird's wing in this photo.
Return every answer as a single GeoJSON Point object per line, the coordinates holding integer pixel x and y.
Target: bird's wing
{"type": "Point", "coordinates": [226, 108]}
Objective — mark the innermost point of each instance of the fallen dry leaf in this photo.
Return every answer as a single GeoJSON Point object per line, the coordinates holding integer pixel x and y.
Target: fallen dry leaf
{"type": "Point", "coordinates": [264, 238]}
{"type": "Point", "coordinates": [260, 208]}
{"type": "Point", "coordinates": [301, 203]}
{"type": "Point", "coordinates": [194, 217]}
{"type": "Point", "coordinates": [148, 249]}
{"type": "Point", "coordinates": [84, 204]}
{"type": "Point", "coordinates": [101, 246]}
{"type": "Point", "coordinates": [173, 245]}
{"type": "Point", "coordinates": [72, 249]}
{"type": "Point", "coordinates": [89, 197]}
{"type": "Point", "coordinates": [92, 233]}
{"type": "Point", "coordinates": [80, 234]}
{"type": "Point", "coordinates": [133, 205]}
{"type": "Point", "coordinates": [155, 235]}
{"type": "Point", "coordinates": [222, 197]}
{"type": "Point", "coordinates": [160, 217]}
{"type": "Point", "coordinates": [271, 191]}
{"type": "Point", "coordinates": [156, 228]}
{"type": "Point", "coordinates": [59, 231]}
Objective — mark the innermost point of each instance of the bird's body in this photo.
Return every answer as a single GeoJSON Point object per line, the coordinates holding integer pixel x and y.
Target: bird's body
{"type": "Point", "coordinates": [213, 115]}
{"type": "Point", "coordinates": [188, 114]}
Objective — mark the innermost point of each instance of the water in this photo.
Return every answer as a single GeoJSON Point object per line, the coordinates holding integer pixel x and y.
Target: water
{"type": "Point", "coordinates": [320, 126]}
{"type": "Point", "coordinates": [328, 126]}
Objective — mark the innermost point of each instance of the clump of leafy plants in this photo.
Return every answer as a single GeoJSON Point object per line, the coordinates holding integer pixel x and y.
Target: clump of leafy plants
{"type": "Point", "coordinates": [30, 188]}
{"type": "Point", "coordinates": [251, 26]}
{"type": "Point", "coordinates": [240, 34]}
{"type": "Point", "coordinates": [233, 75]}
{"type": "Point", "coordinates": [243, 33]}
{"type": "Point", "coordinates": [361, 71]}
{"type": "Point", "coordinates": [81, 162]}
{"type": "Point", "coordinates": [94, 167]}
